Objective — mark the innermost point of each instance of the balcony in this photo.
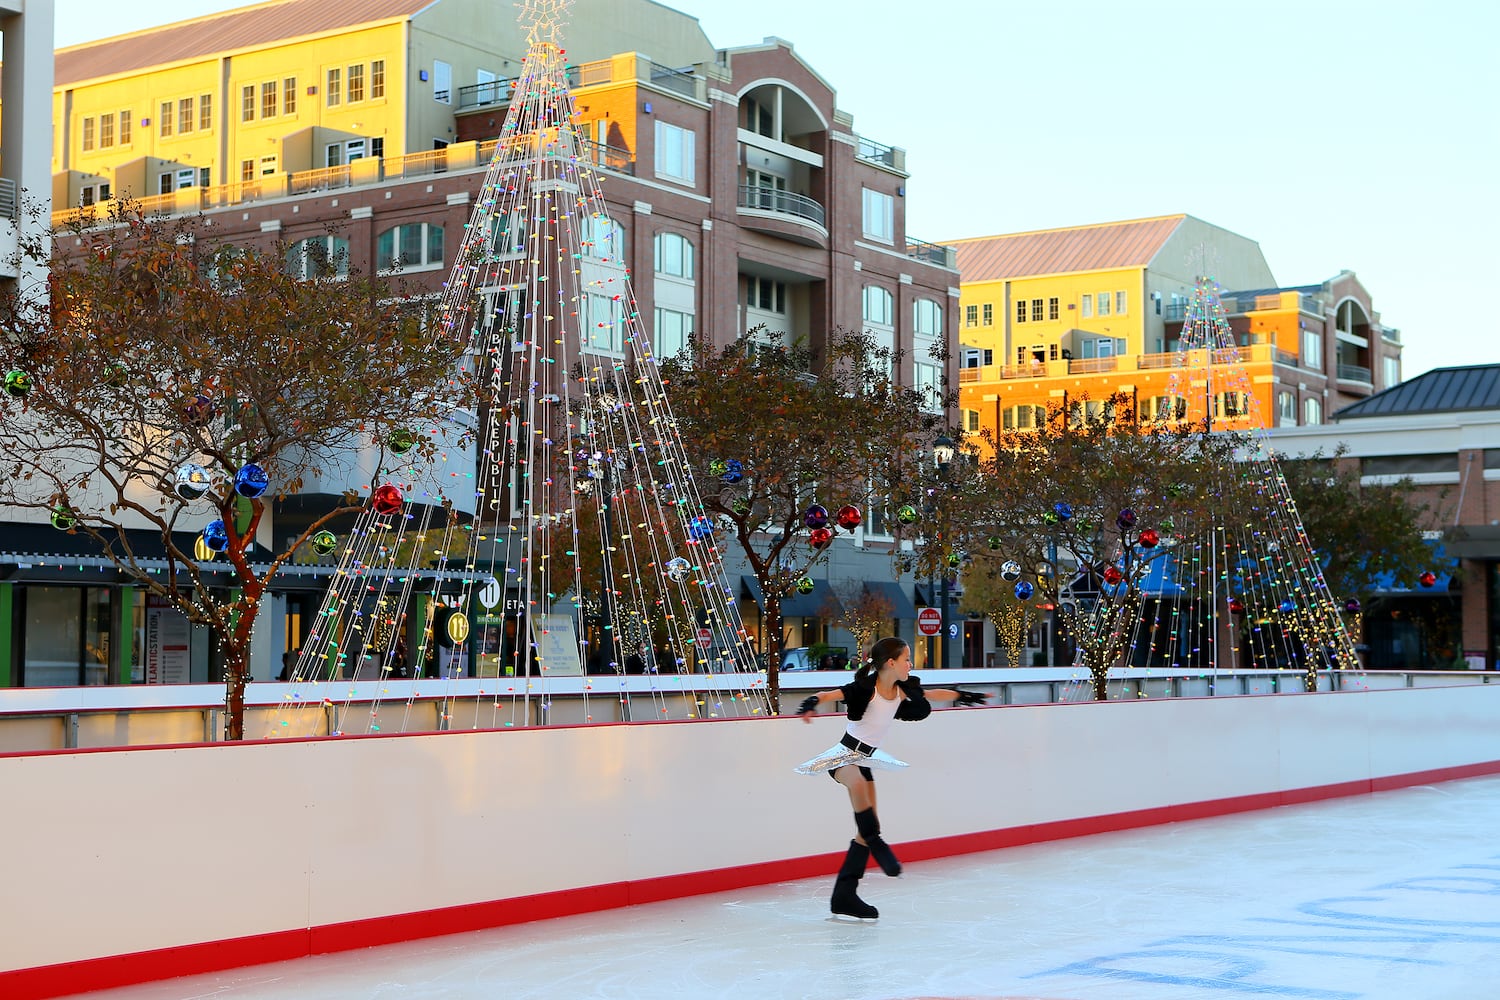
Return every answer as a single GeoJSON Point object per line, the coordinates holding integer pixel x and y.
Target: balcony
{"type": "Point", "coordinates": [497, 94]}
{"type": "Point", "coordinates": [932, 253]}
{"type": "Point", "coordinates": [1354, 373]}
{"type": "Point", "coordinates": [890, 157]}
{"type": "Point", "coordinates": [782, 213]}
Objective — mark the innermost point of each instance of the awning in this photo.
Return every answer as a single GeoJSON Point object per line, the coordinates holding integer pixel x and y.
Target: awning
{"type": "Point", "coordinates": [1442, 564]}
{"type": "Point", "coordinates": [1473, 541]}
{"type": "Point", "coordinates": [894, 595]}
{"type": "Point", "coordinates": [821, 603]}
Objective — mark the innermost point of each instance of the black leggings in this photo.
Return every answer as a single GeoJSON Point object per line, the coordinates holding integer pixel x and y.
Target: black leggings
{"type": "Point", "coordinates": [869, 775]}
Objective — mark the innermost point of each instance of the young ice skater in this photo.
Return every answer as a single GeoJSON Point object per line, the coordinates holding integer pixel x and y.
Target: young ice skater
{"type": "Point", "coordinates": [883, 690]}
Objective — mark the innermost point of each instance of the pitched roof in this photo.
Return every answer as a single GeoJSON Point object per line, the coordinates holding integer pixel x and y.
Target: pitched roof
{"type": "Point", "coordinates": [1442, 390]}
{"type": "Point", "coordinates": [1058, 251]}
{"type": "Point", "coordinates": [244, 27]}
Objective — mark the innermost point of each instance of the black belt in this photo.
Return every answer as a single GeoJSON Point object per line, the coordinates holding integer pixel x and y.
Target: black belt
{"type": "Point", "coordinates": [853, 744]}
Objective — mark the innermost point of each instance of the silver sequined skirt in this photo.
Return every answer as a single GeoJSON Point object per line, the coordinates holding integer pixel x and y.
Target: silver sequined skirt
{"type": "Point", "coordinates": [838, 755]}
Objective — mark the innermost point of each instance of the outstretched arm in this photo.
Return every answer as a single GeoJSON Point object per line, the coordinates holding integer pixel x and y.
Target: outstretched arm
{"type": "Point", "coordinates": [955, 695]}
{"type": "Point", "coordinates": [809, 706]}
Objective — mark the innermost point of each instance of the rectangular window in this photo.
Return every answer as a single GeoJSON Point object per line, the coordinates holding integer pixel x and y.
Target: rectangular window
{"type": "Point", "coordinates": [164, 123]}
{"type": "Point", "coordinates": [989, 314]}
{"type": "Point", "coordinates": [1020, 310]}
{"type": "Point", "coordinates": [673, 331]}
{"type": "Point", "coordinates": [1312, 351]}
{"type": "Point", "coordinates": [106, 131]}
{"type": "Point", "coordinates": [675, 154]}
{"type": "Point", "coordinates": [88, 134]}
{"type": "Point", "coordinates": [124, 128]}
{"type": "Point", "coordinates": [1286, 409]}
{"type": "Point", "coordinates": [1088, 307]}
{"type": "Point", "coordinates": [1312, 411]}
{"type": "Point", "coordinates": [1102, 301]}
{"type": "Point", "coordinates": [1392, 371]}
{"type": "Point", "coordinates": [442, 81]}
{"type": "Point", "coordinates": [971, 315]}
{"type": "Point", "coordinates": [377, 79]}
{"type": "Point", "coordinates": [1119, 303]}
{"type": "Point", "coordinates": [1036, 310]}
{"type": "Point", "coordinates": [289, 96]}
{"type": "Point", "coordinates": [332, 91]}
{"type": "Point", "coordinates": [247, 170]}
{"type": "Point", "coordinates": [971, 421]}
{"type": "Point", "coordinates": [186, 119]}
{"type": "Point", "coordinates": [268, 101]}
{"type": "Point", "coordinates": [1052, 306]}
{"type": "Point", "coordinates": [879, 216]}
{"type": "Point", "coordinates": [356, 83]}
{"type": "Point", "coordinates": [205, 112]}
{"type": "Point", "coordinates": [247, 103]}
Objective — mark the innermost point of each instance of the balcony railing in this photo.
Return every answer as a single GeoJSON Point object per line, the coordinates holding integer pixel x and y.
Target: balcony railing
{"type": "Point", "coordinates": [609, 157]}
{"type": "Point", "coordinates": [323, 179]}
{"type": "Point", "coordinates": [1283, 358]}
{"type": "Point", "coordinates": [874, 152]}
{"type": "Point", "coordinates": [423, 164]}
{"type": "Point", "coordinates": [1354, 373]}
{"type": "Point", "coordinates": [678, 81]}
{"type": "Point", "coordinates": [781, 202]}
{"type": "Point", "coordinates": [932, 253]}
{"type": "Point", "coordinates": [1084, 366]}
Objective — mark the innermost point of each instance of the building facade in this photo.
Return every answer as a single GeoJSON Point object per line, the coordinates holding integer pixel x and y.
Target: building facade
{"type": "Point", "coordinates": [1087, 312]}
{"type": "Point", "coordinates": [740, 197]}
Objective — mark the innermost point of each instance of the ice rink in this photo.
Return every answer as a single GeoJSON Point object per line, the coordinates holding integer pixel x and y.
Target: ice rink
{"type": "Point", "coordinates": [1394, 896]}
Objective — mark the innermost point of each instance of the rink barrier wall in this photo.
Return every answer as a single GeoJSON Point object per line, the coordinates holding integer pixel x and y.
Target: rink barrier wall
{"type": "Point", "coordinates": [148, 863]}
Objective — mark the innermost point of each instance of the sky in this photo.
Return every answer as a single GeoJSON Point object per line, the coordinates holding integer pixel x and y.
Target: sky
{"type": "Point", "coordinates": [1340, 135]}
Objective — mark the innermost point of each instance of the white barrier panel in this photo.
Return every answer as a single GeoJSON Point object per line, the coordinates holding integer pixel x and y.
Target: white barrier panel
{"type": "Point", "coordinates": [315, 845]}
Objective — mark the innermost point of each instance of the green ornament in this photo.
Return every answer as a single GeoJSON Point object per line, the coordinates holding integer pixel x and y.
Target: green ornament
{"type": "Point", "coordinates": [17, 382]}
{"type": "Point", "coordinates": [806, 585]}
{"type": "Point", "coordinates": [718, 467]}
{"type": "Point", "coordinates": [115, 375]}
{"type": "Point", "coordinates": [324, 542]}
{"type": "Point", "coordinates": [1050, 517]}
{"type": "Point", "coordinates": [907, 514]}
{"type": "Point", "coordinates": [955, 559]}
{"type": "Point", "coordinates": [63, 518]}
{"type": "Point", "coordinates": [994, 543]}
{"type": "Point", "coordinates": [401, 440]}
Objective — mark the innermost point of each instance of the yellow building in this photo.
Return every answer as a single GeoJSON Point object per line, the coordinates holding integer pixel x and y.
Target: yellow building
{"type": "Point", "coordinates": [265, 91]}
{"type": "Point", "coordinates": [1061, 315]}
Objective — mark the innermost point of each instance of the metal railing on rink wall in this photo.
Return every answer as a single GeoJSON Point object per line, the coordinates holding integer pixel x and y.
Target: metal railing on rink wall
{"type": "Point", "coordinates": [782, 202]}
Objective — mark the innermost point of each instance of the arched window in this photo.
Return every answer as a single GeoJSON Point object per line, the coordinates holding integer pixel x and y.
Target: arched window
{"type": "Point", "coordinates": [927, 319]}
{"type": "Point", "coordinates": [318, 257]}
{"type": "Point", "coordinates": [674, 256]}
{"type": "Point", "coordinates": [416, 244]}
{"type": "Point", "coordinates": [879, 306]}
{"type": "Point", "coordinates": [599, 237]}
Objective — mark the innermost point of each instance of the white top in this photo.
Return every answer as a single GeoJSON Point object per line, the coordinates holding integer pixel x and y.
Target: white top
{"type": "Point", "coordinates": [877, 719]}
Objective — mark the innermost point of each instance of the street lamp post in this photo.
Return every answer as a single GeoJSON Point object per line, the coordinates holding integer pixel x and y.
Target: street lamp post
{"type": "Point", "coordinates": [943, 452]}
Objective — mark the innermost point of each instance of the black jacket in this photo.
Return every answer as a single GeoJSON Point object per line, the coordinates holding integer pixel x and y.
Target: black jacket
{"type": "Point", "coordinates": [913, 708]}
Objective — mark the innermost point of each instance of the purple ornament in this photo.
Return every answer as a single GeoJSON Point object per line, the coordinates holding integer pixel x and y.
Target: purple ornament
{"type": "Point", "coordinates": [816, 516]}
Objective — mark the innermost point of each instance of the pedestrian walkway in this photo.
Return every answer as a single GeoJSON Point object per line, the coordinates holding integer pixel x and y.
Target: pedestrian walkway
{"type": "Point", "coordinates": [1393, 896]}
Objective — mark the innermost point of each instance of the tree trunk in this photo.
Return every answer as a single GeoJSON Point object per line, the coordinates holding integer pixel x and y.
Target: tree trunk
{"type": "Point", "coordinates": [235, 678]}
{"type": "Point", "coordinates": [772, 636]}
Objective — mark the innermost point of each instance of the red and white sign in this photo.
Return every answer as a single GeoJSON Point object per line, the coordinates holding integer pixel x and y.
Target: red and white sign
{"type": "Point", "coordinates": [705, 637]}
{"type": "Point", "coordinates": [929, 621]}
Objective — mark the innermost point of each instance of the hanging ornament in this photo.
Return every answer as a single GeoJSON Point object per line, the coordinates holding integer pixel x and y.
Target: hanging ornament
{"type": "Point", "coordinates": [733, 472]}
{"type": "Point", "coordinates": [1024, 590]}
{"type": "Point", "coordinates": [1050, 517]}
{"type": "Point", "coordinates": [1064, 511]}
{"type": "Point", "coordinates": [198, 411]}
{"type": "Point", "coordinates": [325, 542]}
{"type": "Point", "coordinates": [906, 514]}
{"type": "Point", "coordinates": [1010, 571]}
{"type": "Point", "coordinates": [1112, 575]}
{"type": "Point", "coordinates": [994, 543]}
{"type": "Point", "coordinates": [741, 506]}
{"type": "Point", "coordinates": [1428, 579]}
{"type": "Point", "coordinates": [386, 500]}
{"type": "Point", "coordinates": [251, 481]}
{"type": "Point", "coordinates": [849, 517]}
{"type": "Point", "coordinates": [816, 516]}
{"type": "Point", "coordinates": [216, 536]}
{"type": "Point", "coordinates": [955, 559]}
{"type": "Point", "coordinates": [192, 482]}
{"type": "Point", "coordinates": [17, 383]}
{"type": "Point", "coordinates": [1125, 520]}
{"type": "Point", "coordinates": [678, 568]}
{"type": "Point", "coordinates": [1236, 606]}
{"type": "Point", "coordinates": [820, 538]}
{"type": "Point", "coordinates": [401, 440]}
{"type": "Point", "coordinates": [701, 527]}
{"type": "Point", "coordinates": [115, 375]}
{"type": "Point", "coordinates": [1150, 539]}
{"type": "Point", "coordinates": [1352, 606]}
{"type": "Point", "coordinates": [717, 467]}
{"type": "Point", "coordinates": [63, 518]}
{"type": "Point", "coordinates": [806, 585]}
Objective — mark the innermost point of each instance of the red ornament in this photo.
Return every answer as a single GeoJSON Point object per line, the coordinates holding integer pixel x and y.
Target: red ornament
{"type": "Point", "coordinates": [819, 538]}
{"type": "Point", "coordinates": [1112, 575]}
{"type": "Point", "coordinates": [848, 517]}
{"type": "Point", "coordinates": [1150, 539]}
{"type": "Point", "coordinates": [1236, 606]}
{"type": "Point", "coordinates": [1427, 579]}
{"type": "Point", "coordinates": [386, 499]}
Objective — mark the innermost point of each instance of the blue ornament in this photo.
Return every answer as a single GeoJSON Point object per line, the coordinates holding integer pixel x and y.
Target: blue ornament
{"type": "Point", "coordinates": [701, 527]}
{"type": "Point", "coordinates": [1064, 511]}
{"type": "Point", "coordinates": [816, 516]}
{"type": "Point", "coordinates": [1024, 591]}
{"type": "Point", "coordinates": [733, 472]}
{"type": "Point", "coordinates": [251, 481]}
{"type": "Point", "coordinates": [216, 536]}
{"type": "Point", "coordinates": [1287, 607]}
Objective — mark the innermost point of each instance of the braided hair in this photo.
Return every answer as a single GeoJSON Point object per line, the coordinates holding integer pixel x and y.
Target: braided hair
{"type": "Point", "coordinates": [883, 650]}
